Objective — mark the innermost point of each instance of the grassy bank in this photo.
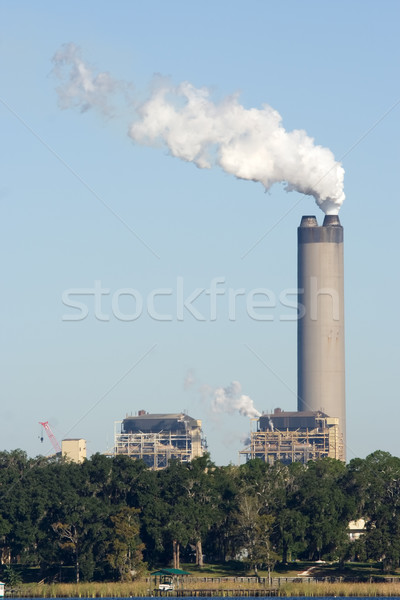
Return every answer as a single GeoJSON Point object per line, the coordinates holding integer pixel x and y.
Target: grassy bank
{"type": "Point", "coordinates": [143, 588]}
{"type": "Point", "coordinates": [340, 589]}
{"type": "Point", "coordinates": [82, 590]}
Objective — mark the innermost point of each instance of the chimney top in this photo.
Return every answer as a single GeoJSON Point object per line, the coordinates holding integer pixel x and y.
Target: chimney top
{"type": "Point", "coordinates": [309, 221]}
{"type": "Point", "coordinates": [331, 221]}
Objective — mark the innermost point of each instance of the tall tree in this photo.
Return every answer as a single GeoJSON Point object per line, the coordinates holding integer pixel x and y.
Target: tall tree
{"type": "Point", "coordinates": [321, 498]}
{"type": "Point", "coordinates": [125, 552]}
{"type": "Point", "coordinates": [219, 540]}
{"type": "Point", "coordinates": [202, 500]}
{"type": "Point", "coordinates": [375, 482]}
{"type": "Point", "coordinates": [254, 532]}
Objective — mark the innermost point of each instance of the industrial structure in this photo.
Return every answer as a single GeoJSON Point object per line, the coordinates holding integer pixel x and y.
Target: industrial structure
{"type": "Point", "coordinates": [295, 437]}
{"type": "Point", "coordinates": [318, 429]}
{"type": "Point", "coordinates": [51, 436]}
{"type": "Point", "coordinates": [320, 333]}
{"type": "Point", "coordinates": [159, 438]}
{"type": "Point", "coordinates": [74, 449]}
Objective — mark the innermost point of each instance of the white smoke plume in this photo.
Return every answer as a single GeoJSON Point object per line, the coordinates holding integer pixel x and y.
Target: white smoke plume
{"type": "Point", "coordinates": [250, 143]}
{"type": "Point", "coordinates": [245, 440]}
{"type": "Point", "coordinates": [81, 87]}
{"type": "Point", "coordinates": [189, 380]}
{"type": "Point", "coordinates": [230, 400]}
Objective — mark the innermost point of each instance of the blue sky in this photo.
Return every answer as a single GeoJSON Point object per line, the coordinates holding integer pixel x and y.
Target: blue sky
{"type": "Point", "coordinates": [330, 68]}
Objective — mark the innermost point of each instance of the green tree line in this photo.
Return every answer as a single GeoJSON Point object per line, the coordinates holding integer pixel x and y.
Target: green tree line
{"type": "Point", "coordinates": [111, 518]}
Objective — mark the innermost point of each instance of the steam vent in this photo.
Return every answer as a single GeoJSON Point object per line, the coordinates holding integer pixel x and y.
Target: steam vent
{"type": "Point", "coordinates": [318, 428]}
{"type": "Point", "coordinates": [159, 438]}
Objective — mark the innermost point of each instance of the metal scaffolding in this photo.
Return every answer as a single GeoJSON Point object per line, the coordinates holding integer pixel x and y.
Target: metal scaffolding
{"type": "Point", "coordinates": [297, 445]}
{"type": "Point", "coordinates": [158, 447]}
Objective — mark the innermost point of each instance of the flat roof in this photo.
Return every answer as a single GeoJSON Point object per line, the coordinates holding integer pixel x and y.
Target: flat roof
{"type": "Point", "coordinates": [153, 423]}
{"type": "Point", "coordinates": [283, 413]}
{"type": "Point", "coordinates": [159, 416]}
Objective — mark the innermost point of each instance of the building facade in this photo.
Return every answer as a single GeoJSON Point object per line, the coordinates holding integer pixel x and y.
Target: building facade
{"type": "Point", "coordinates": [74, 449]}
{"type": "Point", "coordinates": [295, 437]}
{"type": "Point", "coordinates": [159, 438]}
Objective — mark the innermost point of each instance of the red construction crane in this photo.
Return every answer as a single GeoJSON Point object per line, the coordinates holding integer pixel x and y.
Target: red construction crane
{"type": "Point", "coordinates": [51, 435]}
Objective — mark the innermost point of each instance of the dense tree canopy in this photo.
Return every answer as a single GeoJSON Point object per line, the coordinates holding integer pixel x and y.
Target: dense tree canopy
{"type": "Point", "coordinates": [107, 517]}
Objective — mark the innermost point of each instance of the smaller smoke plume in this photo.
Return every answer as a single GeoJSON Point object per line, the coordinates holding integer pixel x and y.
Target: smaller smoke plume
{"type": "Point", "coordinates": [81, 87]}
{"type": "Point", "coordinates": [230, 400]}
{"type": "Point", "coordinates": [245, 440]}
{"type": "Point", "coordinates": [189, 380]}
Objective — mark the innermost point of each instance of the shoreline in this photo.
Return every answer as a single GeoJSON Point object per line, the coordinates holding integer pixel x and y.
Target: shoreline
{"type": "Point", "coordinates": [142, 589]}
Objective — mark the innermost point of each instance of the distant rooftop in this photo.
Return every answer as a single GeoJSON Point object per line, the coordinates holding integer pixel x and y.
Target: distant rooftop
{"type": "Point", "coordinates": [282, 420]}
{"type": "Point", "coordinates": [145, 415]}
{"type": "Point", "coordinates": [306, 413]}
{"type": "Point", "coordinates": [152, 423]}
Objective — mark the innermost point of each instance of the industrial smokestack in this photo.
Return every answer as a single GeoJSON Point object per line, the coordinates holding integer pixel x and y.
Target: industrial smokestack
{"type": "Point", "coordinates": [320, 334]}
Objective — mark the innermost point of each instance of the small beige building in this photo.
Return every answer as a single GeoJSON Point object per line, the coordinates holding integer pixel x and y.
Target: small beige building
{"type": "Point", "coordinates": [74, 449]}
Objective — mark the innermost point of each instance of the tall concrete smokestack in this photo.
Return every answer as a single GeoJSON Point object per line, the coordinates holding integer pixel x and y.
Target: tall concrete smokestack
{"type": "Point", "coordinates": [320, 334]}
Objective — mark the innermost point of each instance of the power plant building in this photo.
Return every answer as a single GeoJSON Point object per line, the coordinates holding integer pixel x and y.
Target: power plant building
{"type": "Point", "coordinates": [318, 429]}
{"type": "Point", "coordinates": [159, 438]}
{"type": "Point", "coordinates": [295, 437]}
